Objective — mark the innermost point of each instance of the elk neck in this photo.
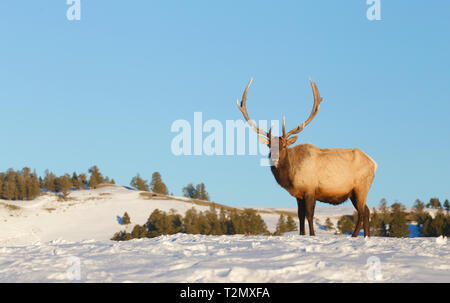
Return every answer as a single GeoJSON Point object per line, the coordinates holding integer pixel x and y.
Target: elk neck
{"type": "Point", "coordinates": [281, 170]}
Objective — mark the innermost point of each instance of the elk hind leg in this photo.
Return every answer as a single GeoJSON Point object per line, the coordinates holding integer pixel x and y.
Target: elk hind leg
{"type": "Point", "coordinates": [359, 202]}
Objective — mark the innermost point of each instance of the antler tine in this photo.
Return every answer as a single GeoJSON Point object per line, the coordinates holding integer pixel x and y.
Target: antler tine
{"type": "Point", "coordinates": [315, 109]}
{"type": "Point", "coordinates": [243, 108]}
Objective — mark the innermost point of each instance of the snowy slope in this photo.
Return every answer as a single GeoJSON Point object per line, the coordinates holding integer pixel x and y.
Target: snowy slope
{"type": "Point", "coordinates": [39, 241]}
{"type": "Point", "coordinates": [90, 215]}
{"type": "Point", "coordinates": [198, 258]}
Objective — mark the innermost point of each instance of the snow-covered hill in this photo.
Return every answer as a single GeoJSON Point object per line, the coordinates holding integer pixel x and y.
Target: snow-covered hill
{"type": "Point", "coordinates": [48, 240]}
{"type": "Point", "coordinates": [88, 215]}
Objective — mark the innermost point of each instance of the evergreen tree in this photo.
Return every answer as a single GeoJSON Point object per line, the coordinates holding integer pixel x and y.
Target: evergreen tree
{"type": "Point", "coordinates": [63, 184]}
{"type": "Point", "coordinates": [49, 181]}
{"type": "Point", "coordinates": [198, 192]}
{"type": "Point", "coordinates": [385, 216]}
{"type": "Point", "coordinates": [126, 219]}
{"type": "Point", "coordinates": [139, 183]}
{"type": "Point", "coordinates": [76, 182]}
{"type": "Point", "coordinates": [290, 224]}
{"type": "Point", "coordinates": [399, 224]}
{"type": "Point", "coordinates": [83, 179]}
{"type": "Point", "coordinates": [35, 188]}
{"type": "Point", "coordinates": [215, 227]}
{"type": "Point", "coordinates": [253, 223]}
{"type": "Point", "coordinates": [377, 227]}
{"type": "Point", "coordinates": [139, 232]}
{"type": "Point", "coordinates": [447, 205]}
{"type": "Point", "coordinates": [189, 191]}
{"type": "Point", "coordinates": [418, 213]}
{"type": "Point", "coordinates": [190, 222]}
{"type": "Point", "coordinates": [346, 224]}
{"type": "Point", "coordinates": [159, 223]}
{"type": "Point", "coordinates": [434, 203]}
{"type": "Point", "coordinates": [281, 226]}
{"type": "Point", "coordinates": [96, 177]}
{"type": "Point", "coordinates": [157, 185]}
{"type": "Point", "coordinates": [203, 194]}
{"type": "Point", "coordinates": [122, 236]}
{"type": "Point", "coordinates": [437, 226]}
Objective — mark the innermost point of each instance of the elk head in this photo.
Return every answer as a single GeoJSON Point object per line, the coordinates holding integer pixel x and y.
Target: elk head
{"type": "Point", "coordinates": [278, 144]}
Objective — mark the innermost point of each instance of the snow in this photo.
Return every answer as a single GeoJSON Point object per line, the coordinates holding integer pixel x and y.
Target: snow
{"type": "Point", "coordinates": [50, 241]}
{"type": "Point", "coordinates": [199, 258]}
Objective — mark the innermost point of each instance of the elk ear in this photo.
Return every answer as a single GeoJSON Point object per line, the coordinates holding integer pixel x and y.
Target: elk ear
{"type": "Point", "coordinates": [263, 140]}
{"type": "Point", "coordinates": [291, 141]}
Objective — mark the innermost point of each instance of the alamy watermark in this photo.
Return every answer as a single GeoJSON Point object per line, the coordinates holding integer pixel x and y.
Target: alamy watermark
{"type": "Point", "coordinates": [374, 11]}
{"type": "Point", "coordinates": [212, 138]}
{"type": "Point", "coordinates": [74, 270]}
{"type": "Point", "coordinates": [374, 270]}
{"type": "Point", "coordinates": [74, 10]}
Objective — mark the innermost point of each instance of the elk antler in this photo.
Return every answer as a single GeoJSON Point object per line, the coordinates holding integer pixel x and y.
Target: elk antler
{"type": "Point", "coordinates": [315, 109]}
{"type": "Point", "coordinates": [243, 109]}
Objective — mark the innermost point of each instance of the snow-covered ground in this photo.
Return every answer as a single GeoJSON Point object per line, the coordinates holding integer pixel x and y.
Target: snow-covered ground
{"type": "Point", "coordinates": [198, 258]}
{"type": "Point", "coordinates": [48, 241]}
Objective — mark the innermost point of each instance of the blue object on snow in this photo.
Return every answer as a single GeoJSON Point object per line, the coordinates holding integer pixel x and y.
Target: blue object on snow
{"type": "Point", "coordinates": [119, 220]}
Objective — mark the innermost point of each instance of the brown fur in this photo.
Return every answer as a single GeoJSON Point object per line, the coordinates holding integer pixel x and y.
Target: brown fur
{"type": "Point", "coordinates": [329, 175]}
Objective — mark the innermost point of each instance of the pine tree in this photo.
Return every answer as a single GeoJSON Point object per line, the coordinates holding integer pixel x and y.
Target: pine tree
{"type": "Point", "coordinates": [190, 222]}
{"type": "Point", "coordinates": [447, 205]}
{"type": "Point", "coordinates": [398, 225]}
{"type": "Point", "coordinates": [345, 224]}
{"type": "Point", "coordinates": [203, 195]}
{"type": "Point", "coordinates": [418, 213]}
{"type": "Point", "coordinates": [139, 232]}
{"type": "Point", "coordinates": [189, 191]}
{"type": "Point", "coordinates": [126, 219]}
{"type": "Point", "coordinates": [437, 226]}
{"type": "Point", "coordinates": [83, 179]}
{"type": "Point", "coordinates": [281, 226]}
{"type": "Point", "coordinates": [157, 185]}
{"type": "Point", "coordinates": [434, 203]}
{"type": "Point", "coordinates": [376, 223]}
{"type": "Point", "coordinates": [64, 184]}
{"type": "Point", "coordinates": [290, 224]}
{"type": "Point", "coordinates": [49, 181]}
{"type": "Point", "coordinates": [139, 183]}
{"type": "Point", "coordinates": [96, 177]}
{"type": "Point", "coordinates": [215, 227]}
{"type": "Point", "coordinates": [252, 222]}
{"type": "Point", "coordinates": [76, 183]}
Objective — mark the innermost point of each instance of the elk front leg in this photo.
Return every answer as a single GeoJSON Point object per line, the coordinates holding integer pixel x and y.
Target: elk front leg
{"type": "Point", "coordinates": [301, 215]}
{"type": "Point", "coordinates": [310, 204]}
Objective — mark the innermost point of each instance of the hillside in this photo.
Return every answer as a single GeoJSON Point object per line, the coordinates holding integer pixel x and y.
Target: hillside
{"type": "Point", "coordinates": [89, 214]}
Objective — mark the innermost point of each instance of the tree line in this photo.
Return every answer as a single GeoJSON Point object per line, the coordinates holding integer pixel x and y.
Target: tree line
{"type": "Point", "coordinates": [158, 186]}
{"type": "Point", "coordinates": [393, 221]}
{"type": "Point", "coordinates": [26, 185]}
{"type": "Point", "coordinates": [209, 222]}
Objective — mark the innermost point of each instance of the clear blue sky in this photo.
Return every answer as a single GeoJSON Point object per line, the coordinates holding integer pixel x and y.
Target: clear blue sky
{"type": "Point", "coordinates": [105, 90]}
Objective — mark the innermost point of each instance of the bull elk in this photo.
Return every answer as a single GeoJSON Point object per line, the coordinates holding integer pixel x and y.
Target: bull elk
{"type": "Point", "coordinates": [309, 173]}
